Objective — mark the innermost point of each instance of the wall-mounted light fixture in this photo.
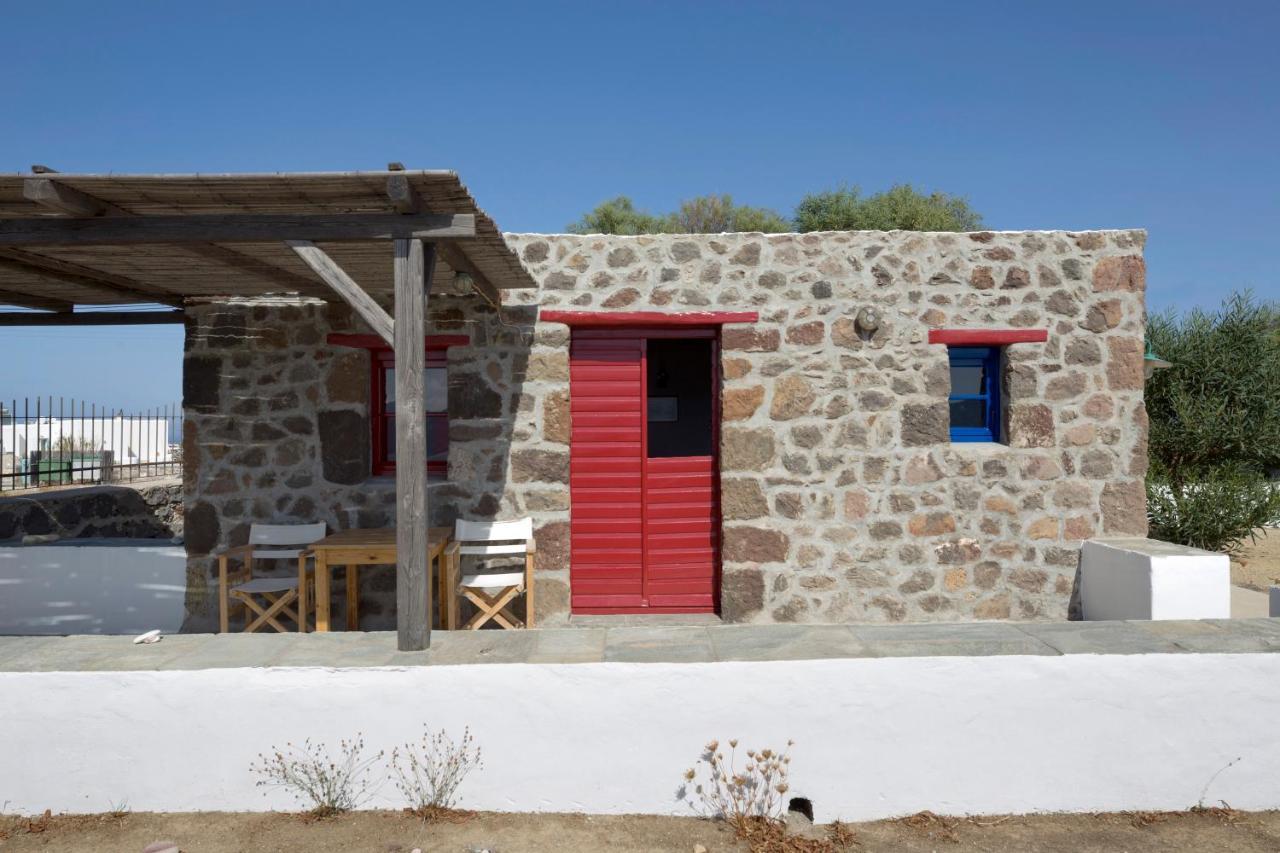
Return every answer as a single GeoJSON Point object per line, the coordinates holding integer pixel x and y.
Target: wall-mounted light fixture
{"type": "Point", "coordinates": [463, 283]}
{"type": "Point", "coordinates": [868, 320]}
{"type": "Point", "coordinates": [1152, 362]}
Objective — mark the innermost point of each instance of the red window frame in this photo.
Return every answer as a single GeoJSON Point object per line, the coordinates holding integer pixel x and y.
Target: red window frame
{"type": "Point", "coordinates": [381, 359]}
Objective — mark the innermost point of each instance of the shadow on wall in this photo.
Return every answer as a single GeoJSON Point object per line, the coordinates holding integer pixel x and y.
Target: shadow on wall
{"type": "Point", "coordinates": [278, 430]}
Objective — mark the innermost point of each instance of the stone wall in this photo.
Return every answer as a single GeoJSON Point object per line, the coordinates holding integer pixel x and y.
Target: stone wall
{"type": "Point", "coordinates": [843, 498]}
{"type": "Point", "coordinates": [150, 510]}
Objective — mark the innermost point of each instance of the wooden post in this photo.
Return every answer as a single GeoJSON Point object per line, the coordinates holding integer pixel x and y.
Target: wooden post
{"type": "Point", "coordinates": [414, 263]}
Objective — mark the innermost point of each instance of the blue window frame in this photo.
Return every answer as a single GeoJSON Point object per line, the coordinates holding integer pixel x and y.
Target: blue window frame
{"type": "Point", "coordinates": [975, 393]}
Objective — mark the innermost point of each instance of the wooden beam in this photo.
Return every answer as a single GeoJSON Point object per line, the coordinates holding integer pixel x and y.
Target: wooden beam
{"type": "Point", "coordinates": [413, 261]}
{"type": "Point", "coordinates": [345, 286]}
{"type": "Point", "coordinates": [40, 303]}
{"type": "Point", "coordinates": [234, 228]}
{"type": "Point", "coordinates": [402, 195]}
{"type": "Point", "coordinates": [86, 277]}
{"type": "Point", "coordinates": [49, 193]}
{"type": "Point", "coordinates": [405, 199]}
{"type": "Point", "coordinates": [91, 318]}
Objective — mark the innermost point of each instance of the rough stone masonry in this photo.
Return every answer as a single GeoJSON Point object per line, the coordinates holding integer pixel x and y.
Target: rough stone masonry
{"type": "Point", "coordinates": [842, 497]}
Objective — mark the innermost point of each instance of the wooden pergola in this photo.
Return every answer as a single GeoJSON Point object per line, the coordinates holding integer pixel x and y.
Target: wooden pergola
{"type": "Point", "coordinates": [70, 240]}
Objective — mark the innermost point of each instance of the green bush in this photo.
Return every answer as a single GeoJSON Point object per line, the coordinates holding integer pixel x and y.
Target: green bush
{"type": "Point", "coordinates": [900, 207]}
{"type": "Point", "coordinates": [1215, 423]}
{"type": "Point", "coordinates": [1215, 509]}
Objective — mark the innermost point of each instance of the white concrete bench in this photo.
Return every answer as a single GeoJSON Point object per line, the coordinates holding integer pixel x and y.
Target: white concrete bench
{"type": "Point", "coordinates": [1135, 578]}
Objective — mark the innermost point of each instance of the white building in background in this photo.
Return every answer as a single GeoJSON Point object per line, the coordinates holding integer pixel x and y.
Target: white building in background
{"type": "Point", "coordinates": [131, 440]}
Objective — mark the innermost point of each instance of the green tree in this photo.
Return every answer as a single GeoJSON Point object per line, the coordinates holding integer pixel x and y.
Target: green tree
{"type": "Point", "coordinates": [717, 214]}
{"type": "Point", "coordinates": [899, 207]}
{"type": "Point", "coordinates": [618, 216]}
{"type": "Point", "coordinates": [1215, 423]}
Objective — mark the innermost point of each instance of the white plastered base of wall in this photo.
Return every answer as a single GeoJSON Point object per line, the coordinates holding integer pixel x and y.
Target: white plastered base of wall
{"type": "Point", "coordinates": [874, 737]}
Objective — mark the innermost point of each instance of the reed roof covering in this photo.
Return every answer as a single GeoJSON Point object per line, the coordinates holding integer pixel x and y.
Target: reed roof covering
{"type": "Point", "coordinates": [115, 274]}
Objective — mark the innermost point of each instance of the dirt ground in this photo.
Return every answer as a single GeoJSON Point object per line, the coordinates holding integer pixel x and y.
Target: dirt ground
{"type": "Point", "coordinates": [1258, 566]}
{"type": "Point", "coordinates": [393, 832]}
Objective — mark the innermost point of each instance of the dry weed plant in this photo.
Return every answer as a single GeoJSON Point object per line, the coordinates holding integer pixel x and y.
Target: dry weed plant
{"type": "Point", "coordinates": [429, 772]}
{"type": "Point", "coordinates": [330, 786]}
{"type": "Point", "coordinates": [737, 794]}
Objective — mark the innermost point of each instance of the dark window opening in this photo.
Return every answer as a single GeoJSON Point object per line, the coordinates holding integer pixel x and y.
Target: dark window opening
{"type": "Point", "coordinates": [680, 394]}
{"type": "Point", "coordinates": [975, 393]}
{"type": "Point", "coordinates": [383, 412]}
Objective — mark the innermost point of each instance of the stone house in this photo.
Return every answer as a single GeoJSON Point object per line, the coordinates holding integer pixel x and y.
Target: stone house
{"type": "Point", "coordinates": [824, 427]}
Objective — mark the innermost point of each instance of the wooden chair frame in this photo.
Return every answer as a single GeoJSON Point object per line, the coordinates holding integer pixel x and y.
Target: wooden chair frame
{"type": "Point", "coordinates": [489, 606]}
{"type": "Point", "coordinates": [279, 603]}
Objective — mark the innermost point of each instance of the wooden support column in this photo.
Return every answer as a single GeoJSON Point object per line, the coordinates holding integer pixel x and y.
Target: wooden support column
{"type": "Point", "coordinates": [414, 263]}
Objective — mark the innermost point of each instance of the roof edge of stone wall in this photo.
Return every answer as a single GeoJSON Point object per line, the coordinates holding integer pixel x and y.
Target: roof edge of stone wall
{"type": "Point", "coordinates": [790, 234]}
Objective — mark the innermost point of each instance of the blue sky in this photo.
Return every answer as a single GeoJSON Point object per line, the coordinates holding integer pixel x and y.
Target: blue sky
{"type": "Point", "coordinates": [1086, 115]}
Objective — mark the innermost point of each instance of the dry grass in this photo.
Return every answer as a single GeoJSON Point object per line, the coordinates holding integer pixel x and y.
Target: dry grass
{"type": "Point", "coordinates": [763, 835]}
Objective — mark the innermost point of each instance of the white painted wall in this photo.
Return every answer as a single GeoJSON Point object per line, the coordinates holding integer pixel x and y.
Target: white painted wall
{"type": "Point", "coordinates": [875, 737]}
{"type": "Point", "coordinates": [1147, 579]}
{"type": "Point", "coordinates": [92, 587]}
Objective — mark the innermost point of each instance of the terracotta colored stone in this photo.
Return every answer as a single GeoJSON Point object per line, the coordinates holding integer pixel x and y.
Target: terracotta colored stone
{"type": "Point", "coordinates": [957, 551]}
{"type": "Point", "coordinates": [1016, 277]}
{"type": "Point", "coordinates": [921, 469]}
{"type": "Point", "coordinates": [741, 594]}
{"type": "Point", "coordinates": [735, 368]}
{"type": "Point", "coordinates": [844, 333]}
{"type": "Point", "coordinates": [553, 546]}
{"type": "Point", "coordinates": [1031, 425]}
{"type": "Point", "coordinates": [807, 334]}
{"type": "Point", "coordinates": [743, 544]}
{"type": "Point", "coordinates": [857, 504]}
{"type": "Point", "coordinates": [955, 579]}
{"type": "Point", "coordinates": [738, 404]}
{"type": "Point", "coordinates": [1124, 508]}
{"type": "Point", "coordinates": [995, 607]}
{"type": "Point", "coordinates": [1103, 316]}
{"type": "Point", "coordinates": [556, 421]}
{"type": "Point", "coordinates": [792, 398]}
{"type": "Point", "coordinates": [543, 466]}
{"type": "Point", "coordinates": [622, 298]}
{"type": "Point", "coordinates": [1043, 528]}
{"type": "Point", "coordinates": [1124, 364]}
{"type": "Point", "coordinates": [1100, 407]}
{"type": "Point", "coordinates": [750, 339]}
{"type": "Point", "coordinates": [1127, 273]}
{"type": "Point", "coordinates": [1080, 435]}
{"type": "Point", "coordinates": [981, 278]}
{"type": "Point", "coordinates": [1079, 527]}
{"type": "Point", "coordinates": [746, 449]}
{"type": "Point", "coordinates": [742, 499]}
{"type": "Point", "coordinates": [932, 524]}
{"type": "Point", "coordinates": [999, 503]}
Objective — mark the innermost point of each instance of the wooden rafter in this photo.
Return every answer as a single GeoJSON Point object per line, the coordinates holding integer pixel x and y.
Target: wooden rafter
{"type": "Point", "coordinates": [234, 228]}
{"type": "Point", "coordinates": [91, 318]}
{"type": "Point", "coordinates": [53, 195]}
{"type": "Point", "coordinates": [40, 303]}
{"type": "Point", "coordinates": [90, 279]}
{"type": "Point", "coordinates": [346, 287]}
{"type": "Point", "coordinates": [406, 201]}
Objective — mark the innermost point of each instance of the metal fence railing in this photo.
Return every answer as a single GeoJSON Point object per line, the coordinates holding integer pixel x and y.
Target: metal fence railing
{"type": "Point", "coordinates": [54, 441]}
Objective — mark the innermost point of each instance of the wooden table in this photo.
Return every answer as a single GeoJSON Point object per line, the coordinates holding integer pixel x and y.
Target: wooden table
{"type": "Point", "coordinates": [371, 547]}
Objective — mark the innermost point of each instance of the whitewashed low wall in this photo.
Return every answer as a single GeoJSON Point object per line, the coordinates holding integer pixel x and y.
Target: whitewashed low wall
{"type": "Point", "coordinates": [1135, 578]}
{"type": "Point", "coordinates": [93, 587]}
{"type": "Point", "coordinates": [875, 737]}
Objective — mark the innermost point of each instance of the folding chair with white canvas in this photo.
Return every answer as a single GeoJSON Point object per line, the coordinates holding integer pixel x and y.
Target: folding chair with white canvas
{"type": "Point", "coordinates": [492, 589]}
{"type": "Point", "coordinates": [281, 597]}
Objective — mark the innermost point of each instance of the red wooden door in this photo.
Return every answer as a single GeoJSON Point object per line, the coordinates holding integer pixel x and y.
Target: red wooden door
{"type": "Point", "coordinates": [645, 507]}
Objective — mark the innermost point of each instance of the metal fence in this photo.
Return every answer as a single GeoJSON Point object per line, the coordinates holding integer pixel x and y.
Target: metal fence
{"type": "Point", "coordinates": [54, 441]}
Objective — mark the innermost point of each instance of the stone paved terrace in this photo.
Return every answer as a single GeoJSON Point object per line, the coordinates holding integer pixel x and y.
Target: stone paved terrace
{"type": "Point", "coordinates": [641, 644]}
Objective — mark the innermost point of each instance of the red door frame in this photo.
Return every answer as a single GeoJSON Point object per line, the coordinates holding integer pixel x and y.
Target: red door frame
{"type": "Point", "coordinates": [712, 334]}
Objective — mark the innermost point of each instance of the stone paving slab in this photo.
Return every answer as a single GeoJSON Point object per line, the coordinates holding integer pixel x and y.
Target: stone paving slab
{"type": "Point", "coordinates": [785, 642]}
{"type": "Point", "coordinates": [641, 644]}
{"type": "Point", "coordinates": [949, 639]}
{"type": "Point", "coordinates": [658, 645]}
{"type": "Point", "coordinates": [1099, 638]}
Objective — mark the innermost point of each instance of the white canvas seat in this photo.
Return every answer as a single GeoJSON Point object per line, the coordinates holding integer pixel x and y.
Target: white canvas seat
{"type": "Point", "coordinates": [278, 594]}
{"type": "Point", "coordinates": [492, 592]}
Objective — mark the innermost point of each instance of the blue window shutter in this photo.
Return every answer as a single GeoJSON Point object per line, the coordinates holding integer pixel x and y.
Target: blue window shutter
{"type": "Point", "coordinates": [981, 405]}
